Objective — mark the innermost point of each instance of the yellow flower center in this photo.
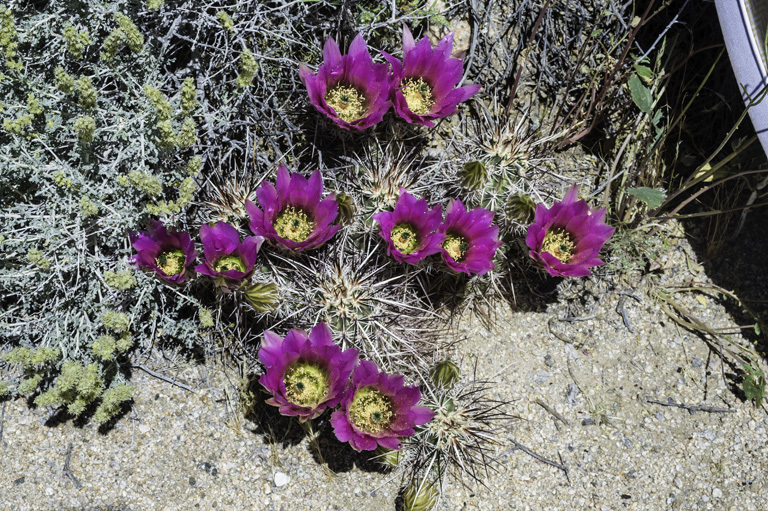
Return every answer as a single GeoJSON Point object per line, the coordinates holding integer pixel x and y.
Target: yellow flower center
{"type": "Point", "coordinates": [294, 224]}
{"type": "Point", "coordinates": [229, 262]}
{"type": "Point", "coordinates": [371, 411]}
{"type": "Point", "coordinates": [305, 384]}
{"type": "Point", "coordinates": [348, 102]}
{"type": "Point", "coordinates": [559, 243]}
{"type": "Point", "coordinates": [418, 95]}
{"type": "Point", "coordinates": [405, 237]}
{"type": "Point", "coordinates": [171, 262]}
{"type": "Point", "coordinates": [456, 246]}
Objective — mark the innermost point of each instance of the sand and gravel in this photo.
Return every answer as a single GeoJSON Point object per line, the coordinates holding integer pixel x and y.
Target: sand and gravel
{"type": "Point", "coordinates": [581, 389]}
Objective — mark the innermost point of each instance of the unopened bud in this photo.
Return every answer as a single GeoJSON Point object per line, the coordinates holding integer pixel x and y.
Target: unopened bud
{"type": "Point", "coordinates": [420, 495]}
{"type": "Point", "coordinates": [474, 175]}
{"type": "Point", "coordinates": [262, 296]}
{"type": "Point", "coordinates": [445, 374]}
{"type": "Point", "coordinates": [520, 208]}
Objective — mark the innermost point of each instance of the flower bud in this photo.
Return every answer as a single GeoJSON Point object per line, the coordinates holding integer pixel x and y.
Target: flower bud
{"type": "Point", "coordinates": [262, 296]}
{"type": "Point", "coordinates": [445, 374]}
{"type": "Point", "coordinates": [520, 208]}
{"type": "Point", "coordinates": [388, 457]}
{"type": "Point", "coordinates": [420, 496]}
{"type": "Point", "coordinates": [474, 175]}
{"type": "Point", "coordinates": [346, 207]}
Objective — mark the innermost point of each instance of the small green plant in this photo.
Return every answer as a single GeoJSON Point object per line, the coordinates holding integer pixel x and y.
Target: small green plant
{"type": "Point", "coordinates": [248, 67]}
{"type": "Point", "coordinates": [753, 383]}
{"type": "Point", "coordinates": [127, 34]}
{"type": "Point", "coordinates": [87, 93]}
{"type": "Point", "coordinates": [188, 96]}
{"type": "Point", "coordinates": [117, 322]}
{"type": "Point", "coordinates": [85, 127]}
{"type": "Point", "coordinates": [226, 21]}
{"type": "Point", "coordinates": [77, 41]}
{"type": "Point", "coordinates": [64, 81]}
{"type": "Point", "coordinates": [121, 280]}
{"type": "Point", "coordinates": [88, 207]}
{"type": "Point", "coordinates": [9, 39]}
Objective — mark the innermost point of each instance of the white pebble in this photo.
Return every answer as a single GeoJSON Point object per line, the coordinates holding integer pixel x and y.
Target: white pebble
{"type": "Point", "coordinates": [716, 493]}
{"type": "Point", "coordinates": [281, 479]}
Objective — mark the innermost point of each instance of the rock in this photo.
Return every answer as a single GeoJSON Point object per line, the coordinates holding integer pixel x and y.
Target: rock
{"type": "Point", "coordinates": [281, 479]}
{"type": "Point", "coordinates": [716, 493]}
{"type": "Point", "coordinates": [542, 377]}
{"type": "Point", "coordinates": [571, 394]}
{"type": "Point", "coordinates": [209, 468]}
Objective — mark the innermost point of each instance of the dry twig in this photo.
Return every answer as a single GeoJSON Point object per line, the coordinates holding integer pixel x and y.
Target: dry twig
{"type": "Point", "coordinates": [164, 378]}
{"type": "Point", "coordinates": [692, 408]}
{"type": "Point", "coordinates": [67, 472]}
{"type": "Point", "coordinates": [561, 465]}
{"type": "Point", "coordinates": [552, 411]}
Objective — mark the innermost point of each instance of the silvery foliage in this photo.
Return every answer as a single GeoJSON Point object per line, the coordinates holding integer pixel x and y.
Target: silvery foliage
{"type": "Point", "coordinates": [71, 198]}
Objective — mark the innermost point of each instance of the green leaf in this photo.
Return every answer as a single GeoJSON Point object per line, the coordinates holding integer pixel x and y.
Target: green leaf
{"type": "Point", "coordinates": [641, 94]}
{"type": "Point", "coordinates": [654, 198]}
{"type": "Point", "coordinates": [644, 72]}
{"type": "Point", "coordinates": [753, 383]}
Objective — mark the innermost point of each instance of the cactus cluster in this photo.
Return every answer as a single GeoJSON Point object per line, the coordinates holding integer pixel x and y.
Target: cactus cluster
{"type": "Point", "coordinates": [120, 117]}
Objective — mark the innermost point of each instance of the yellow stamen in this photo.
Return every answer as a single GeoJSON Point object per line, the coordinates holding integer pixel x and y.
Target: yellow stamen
{"type": "Point", "coordinates": [560, 243]}
{"type": "Point", "coordinates": [371, 411]}
{"type": "Point", "coordinates": [348, 102]}
{"type": "Point", "coordinates": [456, 246]}
{"type": "Point", "coordinates": [405, 237]}
{"type": "Point", "coordinates": [294, 224]}
{"type": "Point", "coordinates": [171, 262]}
{"type": "Point", "coordinates": [418, 95]}
{"type": "Point", "coordinates": [229, 262]}
{"type": "Point", "coordinates": [305, 384]}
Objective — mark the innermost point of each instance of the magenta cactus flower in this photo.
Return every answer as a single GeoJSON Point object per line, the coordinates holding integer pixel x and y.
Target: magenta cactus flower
{"type": "Point", "coordinates": [425, 80]}
{"type": "Point", "coordinates": [351, 89]}
{"type": "Point", "coordinates": [409, 229]}
{"type": "Point", "coordinates": [470, 239]}
{"type": "Point", "coordinates": [227, 259]}
{"type": "Point", "coordinates": [378, 410]}
{"type": "Point", "coordinates": [305, 375]}
{"type": "Point", "coordinates": [168, 254]}
{"type": "Point", "coordinates": [567, 237]}
{"type": "Point", "coordinates": [294, 213]}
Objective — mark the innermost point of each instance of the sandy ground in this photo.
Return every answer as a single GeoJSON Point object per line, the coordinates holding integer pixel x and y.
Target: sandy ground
{"type": "Point", "coordinates": [581, 389]}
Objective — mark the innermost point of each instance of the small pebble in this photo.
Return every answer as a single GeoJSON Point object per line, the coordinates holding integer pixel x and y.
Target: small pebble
{"type": "Point", "coordinates": [717, 493]}
{"type": "Point", "coordinates": [542, 377]}
{"type": "Point", "coordinates": [281, 479]}
{"type": "Point", "coordinates": [548, 361]}
{"type": "Point", "coordinates": [571, 394]}
{"type": "Point", "coordinates": [696, 362]}
{"type": "Point", "coordinates": [209, 468]}
{"type": "Point", "coordinates": [587, 422]}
